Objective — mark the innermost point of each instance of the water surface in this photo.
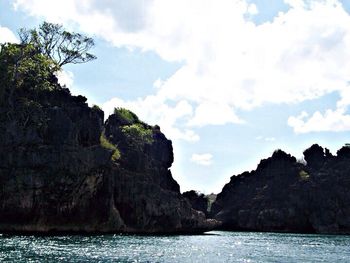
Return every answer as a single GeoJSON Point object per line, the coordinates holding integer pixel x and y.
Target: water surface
{"type": "Point", "coordinates": [214, 246]}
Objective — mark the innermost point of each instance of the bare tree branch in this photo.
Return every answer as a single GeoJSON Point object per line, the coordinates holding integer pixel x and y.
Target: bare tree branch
{"type": "Point", "coordinates": [61, 46]}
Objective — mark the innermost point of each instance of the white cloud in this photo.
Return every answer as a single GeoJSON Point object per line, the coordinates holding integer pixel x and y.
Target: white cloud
{"type": "Point", "coordinates": [158, 83]}
{"type": "Point", "coordinates": [266, 139]}
{"type": "Point", "coordinates": [202, 159]}
{"type": "Point", "coordinates": [295, 3]}
{"type": "Point", "coordinates": [344, 102]}
{"type": "Point", "coordinates": [155, 111]}
{"type": "Point", "coordinates": [213, 113]}
{"type": "Point", "coordinates": [229, 63]}
{"type": "Point", "coordinates": [6, 35]}
{"type": "Point", "coordinates": [336, 121]}
{"type": "Point", "coordinates": [252, 9]}
{"type": "Point", "coordinates": [330, 121]}
{"type": "Point", "coordinates": [65, 78]}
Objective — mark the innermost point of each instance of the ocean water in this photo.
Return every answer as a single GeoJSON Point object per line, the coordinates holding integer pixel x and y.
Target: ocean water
{"type": "Point", "coordinates": [214, 246]}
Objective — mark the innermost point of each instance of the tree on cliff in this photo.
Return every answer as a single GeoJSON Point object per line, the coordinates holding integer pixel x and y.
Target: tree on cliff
{"type": "Point", "coordinates": [41, 52]}
{"type": "Point", "coordinates": [21, 66]}
{"type": "Point", "coordinates": [63, 47]}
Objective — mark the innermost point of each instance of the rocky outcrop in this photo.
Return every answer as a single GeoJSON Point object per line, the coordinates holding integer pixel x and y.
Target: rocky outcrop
{"type": "Point", "coordinates": [198, 201]}
{"type": "Point", "coordinates": [287, 196]}
{"type": "Point", "coordinates": [56, 176]}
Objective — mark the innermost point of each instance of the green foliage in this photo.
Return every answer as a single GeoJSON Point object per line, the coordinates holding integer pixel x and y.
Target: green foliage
{"type": "Point", "coordinates": [61, 46]}
{"type": "Point", "coordinates": [31, 113]}
{"type": "Point", "coordinates": [304, 175]}
{"type": "Point", "coordinates": [211, 199]}
{"type": "Point", "coordinates": [116, 155]}
{"type": "Point", "coordinates": [22, 66]}
{"type": "Point", "coordinates": [42, 52]}
{"type": "Point", "coordinates": [126, 115]}
{"type": "Point", "coordinates": [137, 135]}
{"type": "Point", "coordinates": [96, 107]}
{"type": "Point", "coordinates": [21, 63]}
{"type": "Point", "coordinates": [105, 143]}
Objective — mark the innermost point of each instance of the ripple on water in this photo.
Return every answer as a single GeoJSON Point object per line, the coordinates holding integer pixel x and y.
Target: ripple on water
{"type": "Point", "coordinates": [214, 247]}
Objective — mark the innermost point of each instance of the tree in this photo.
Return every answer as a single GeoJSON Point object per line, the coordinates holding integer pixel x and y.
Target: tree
{"type": "Point", "coordinates": [63, 47]}
{"type": "Point", "coordinates": [22, 66]}
{"type": "Point", "coordinates": [32, 64]}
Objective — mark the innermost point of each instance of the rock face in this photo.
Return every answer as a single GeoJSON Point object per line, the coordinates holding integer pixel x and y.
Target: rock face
{"type": "Point", "coordinates": [287, 196]}
{"type": "Point", "coordinates": [55, 175]}
{"type": "Point", "coordinates": [198, 201]}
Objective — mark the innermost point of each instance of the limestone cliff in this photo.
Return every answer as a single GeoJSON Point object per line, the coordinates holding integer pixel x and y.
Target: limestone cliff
{"type": "Point", "coordinates": [198, 201]}
{"type": "Point", "coordinates": [58, 175]}
{"type": "Point", "coordinates": [285, 195]}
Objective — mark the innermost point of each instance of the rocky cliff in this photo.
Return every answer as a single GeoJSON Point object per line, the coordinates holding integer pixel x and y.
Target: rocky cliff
{"type": "Point", "coordinates": [198, 201]}
{"type": "Point", "coordinates": [288, 196]}
{"type": "Point", "coordinates": [63, 170]}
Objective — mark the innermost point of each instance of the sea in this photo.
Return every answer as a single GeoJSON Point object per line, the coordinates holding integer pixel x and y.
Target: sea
{"type": "Point", "coordinates": [213, 246]}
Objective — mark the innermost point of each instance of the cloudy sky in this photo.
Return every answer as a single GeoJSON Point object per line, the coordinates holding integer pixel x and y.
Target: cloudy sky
{"type": "Point", "coordinates": [228, 81]}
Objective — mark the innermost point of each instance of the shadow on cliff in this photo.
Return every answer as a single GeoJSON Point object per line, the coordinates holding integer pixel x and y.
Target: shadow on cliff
{"type": "Point", "coordinates": [63, 170]}
{"type": "Point", "coordinates": [284, 195]}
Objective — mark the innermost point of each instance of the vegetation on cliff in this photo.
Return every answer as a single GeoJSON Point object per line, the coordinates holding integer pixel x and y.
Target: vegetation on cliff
{"type": "Point", "coordinates": [136, 132]}
{"type": "Point", "coordinates": [40, 53]}
{"type": "Point", "coordinates": [57, 44]}
{"type": "Point", "coordinates": [27, 69]}
{"type": "Point", "coordinates": [62, 168]}
{"type": "Point", "coordinates": [108, 145]}
{"type": "Point", "coordinates": [126, 116]}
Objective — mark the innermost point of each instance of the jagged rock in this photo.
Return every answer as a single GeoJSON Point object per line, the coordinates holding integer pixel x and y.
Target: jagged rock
{"type": "Point", "coordinates": [315, 156]}
{"type": "Point", "coordinates": [344, 152]}
{"type": "Point", "coordinates": [287, 196]}
{"type": "Point", "coordinates": [56, 177]}
{"type": "Point", "coordinates": [198, 201]}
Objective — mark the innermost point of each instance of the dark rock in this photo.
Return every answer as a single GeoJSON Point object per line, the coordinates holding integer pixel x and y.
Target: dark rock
{"type": "Point", "coordinates": [198, 201]}
{"type": "Point", "coordinates": [286, 196]}
{"type": "Point", "coordinates": [56, 177]}
{"type": "Point", "coordinates": [315, 156]}
{"type": "Point", "coordinates": [344, 152]}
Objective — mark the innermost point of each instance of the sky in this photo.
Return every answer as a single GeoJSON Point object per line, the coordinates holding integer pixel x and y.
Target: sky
{"type": "Point", "coordinates": [228, 81]}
